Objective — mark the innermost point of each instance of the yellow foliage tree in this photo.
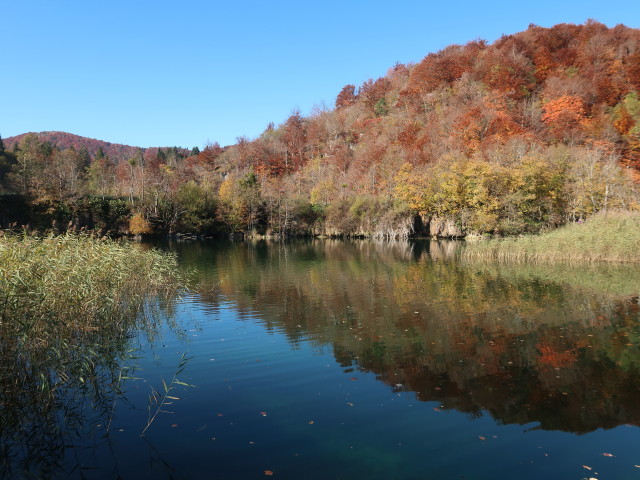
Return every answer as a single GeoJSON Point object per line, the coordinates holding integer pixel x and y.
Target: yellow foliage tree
{"type": "Point", "coordinates": [138, 225]}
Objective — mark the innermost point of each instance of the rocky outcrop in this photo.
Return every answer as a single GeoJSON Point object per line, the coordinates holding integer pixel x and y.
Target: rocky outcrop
{"type": "Point", "coordinates": [438, 227]}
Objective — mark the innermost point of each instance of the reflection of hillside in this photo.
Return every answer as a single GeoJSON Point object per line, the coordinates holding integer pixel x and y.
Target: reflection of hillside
{"type": "Point", "coordinates": [474, 338]}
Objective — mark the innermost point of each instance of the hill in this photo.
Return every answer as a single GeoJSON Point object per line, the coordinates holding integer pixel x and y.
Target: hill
{"type": "Point", "coordinates": [64, 140]}
{"type": "Point", "coordinates": [537, 129]}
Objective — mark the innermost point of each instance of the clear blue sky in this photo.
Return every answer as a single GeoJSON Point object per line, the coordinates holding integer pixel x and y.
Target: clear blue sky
{"type": "Point", "coordinates": [160, 73]}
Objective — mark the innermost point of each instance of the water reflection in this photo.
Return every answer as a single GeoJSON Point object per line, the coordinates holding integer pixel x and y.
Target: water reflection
{"type": "Point", "coordinates": [558, 346]}
{"type": "Point", "coordinates": [58, 391]}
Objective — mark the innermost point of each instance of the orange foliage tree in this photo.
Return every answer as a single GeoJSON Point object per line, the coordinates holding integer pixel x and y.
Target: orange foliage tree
{"type": "Point", "coordinates": [563, 115]}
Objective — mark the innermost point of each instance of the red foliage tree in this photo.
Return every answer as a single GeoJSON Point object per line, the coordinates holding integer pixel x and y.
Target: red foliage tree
{"type": "Point", "coordinates": [370, 92]}
{"type": "Point", "coordinates": [632, 70]}
{"type": "Point", "coordinates": [346, 97]}
{"type": "Point", "coordinates": [210, 153]}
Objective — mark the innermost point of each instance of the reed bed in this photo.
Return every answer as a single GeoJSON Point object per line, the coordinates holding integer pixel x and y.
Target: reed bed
{"type": "Point", "coordinates": [70, 308]}
{"type": "Point", "coordinates": [69, 302]}
{"type": "Point", "coordinates": [79, 281]}
{"type": "Point", "coordinates": [606, 237]}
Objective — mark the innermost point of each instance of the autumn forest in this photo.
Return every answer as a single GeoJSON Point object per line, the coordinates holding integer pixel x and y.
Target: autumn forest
{"type": "Point", "coordinates": [533, 131]}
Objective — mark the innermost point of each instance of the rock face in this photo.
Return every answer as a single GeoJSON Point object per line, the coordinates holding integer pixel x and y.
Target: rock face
{"type": "Point", "coordinates": [444, 227]}
{"type": "Point", "coordinates": [439, 227]}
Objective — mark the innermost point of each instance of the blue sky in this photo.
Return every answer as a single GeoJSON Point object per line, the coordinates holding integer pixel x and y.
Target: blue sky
{"type": "Point", "coordinates": [159, 73]}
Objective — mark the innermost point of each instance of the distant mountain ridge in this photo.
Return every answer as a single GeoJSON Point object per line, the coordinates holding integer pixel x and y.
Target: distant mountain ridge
{"type": "Point", "coordinates": [63, 140]}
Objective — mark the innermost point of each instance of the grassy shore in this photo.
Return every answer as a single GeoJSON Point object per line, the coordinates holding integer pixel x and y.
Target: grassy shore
{"type": "Point", "coordinates": [69, 304]}
{"type": "Point", "coordinates": [611, 237]}
{"type": "Point", "coordinates": [78, 280]}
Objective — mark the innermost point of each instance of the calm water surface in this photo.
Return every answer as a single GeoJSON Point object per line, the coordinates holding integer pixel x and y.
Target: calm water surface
{"type": "Point", "coordinates": [354, 360]}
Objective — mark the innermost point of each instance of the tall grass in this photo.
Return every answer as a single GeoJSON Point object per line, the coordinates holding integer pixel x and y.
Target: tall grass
{"type": "Point", "coordinates": [606, 237]}
{"type": "Point", "coordinates": [78, 281]}
{"type": "Point", "coordinates": [69, 308]}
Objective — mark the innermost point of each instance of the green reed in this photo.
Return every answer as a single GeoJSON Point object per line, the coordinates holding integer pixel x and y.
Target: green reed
{"type": "Point", "coordinates": [606, 237]}
{"type": "Point", "coordinates": [67, 300]}
{"type": "Point", "coordinates": [70, 307]}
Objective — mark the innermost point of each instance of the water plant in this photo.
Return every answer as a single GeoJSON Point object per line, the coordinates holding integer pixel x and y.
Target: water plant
{"type": "Point", "coordinates": [69, 308]}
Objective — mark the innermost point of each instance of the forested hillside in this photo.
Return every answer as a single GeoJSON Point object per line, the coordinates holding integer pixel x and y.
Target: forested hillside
{"type": "Point", "coordinates": [89, 147]}
{"type": "Point", "coordinates": [538, 129]}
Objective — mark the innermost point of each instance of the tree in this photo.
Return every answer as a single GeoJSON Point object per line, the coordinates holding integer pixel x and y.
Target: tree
{"type": "Point", "coordinates": [31, 159]}
{"type": "Point", "coordinates": [381, 108]}
{"type": "Point", "coordinates": [294, 136]}
{"type": "Point", "coordinates": [138, 225]}
{"type": "Point", "coordinates": [210, 153]}
{"type": "Point", "coordinates": [66, 173]}
{"type": "Point", "coordinates": [564, 116]}
{"type": "Point", "coordinates": [346, 97]}
{"type": "Point", "coordinates": [241, 201]}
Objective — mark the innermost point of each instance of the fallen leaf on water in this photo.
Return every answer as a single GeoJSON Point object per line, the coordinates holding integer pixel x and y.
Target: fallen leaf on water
{"type": "Point", "coordinates": [481, 437]}
{"type": "Point", "coordinates": [587, 467]}
{"type": "Point", "coordinates": [353, 378]}
{"type": "Point", "coordinates": [268, 473]}
{"type": "Point", "coordinates": [608, 455]}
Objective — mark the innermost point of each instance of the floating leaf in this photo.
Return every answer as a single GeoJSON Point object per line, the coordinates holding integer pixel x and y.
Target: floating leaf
{"type": "Point", "coordinates": [268, 473]}
{"type": "Point", "coordinates": [587, 467]}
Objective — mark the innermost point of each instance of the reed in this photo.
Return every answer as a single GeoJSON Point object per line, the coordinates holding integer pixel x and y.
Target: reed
{"type": "Point", "coordinates": [605, 237]}
{"type": "Point", "coordinates": [70, 308]}
{"type": "Point", "coordinates": [64, 299]}
{"type": "Point", "coordinates": [78, 280]}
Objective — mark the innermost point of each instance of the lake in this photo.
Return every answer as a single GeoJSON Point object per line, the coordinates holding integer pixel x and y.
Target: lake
{"type": "Point", "coordinates": [336, 359]}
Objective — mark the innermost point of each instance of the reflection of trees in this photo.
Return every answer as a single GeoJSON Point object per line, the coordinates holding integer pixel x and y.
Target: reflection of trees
{"type": "Point", "coordinates": [473, 337]}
